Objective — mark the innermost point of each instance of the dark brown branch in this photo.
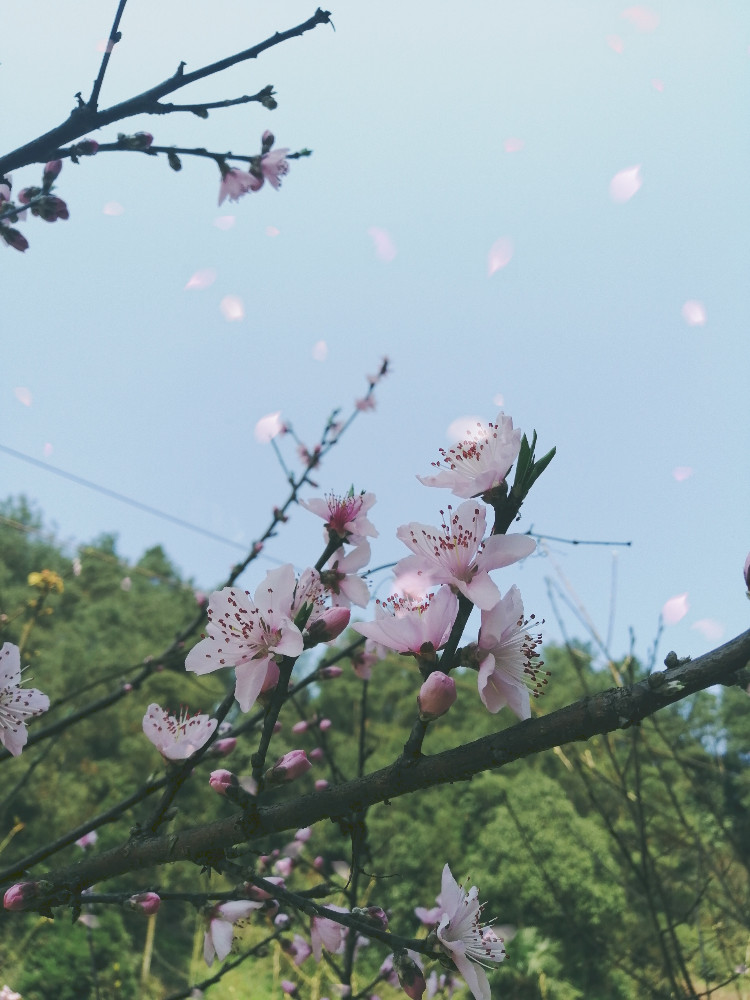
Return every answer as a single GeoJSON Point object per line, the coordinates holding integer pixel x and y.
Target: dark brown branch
{"type": "Point", "coordinates": [617, 708]}
{"type": "Point", "coordinates": [84, 119]}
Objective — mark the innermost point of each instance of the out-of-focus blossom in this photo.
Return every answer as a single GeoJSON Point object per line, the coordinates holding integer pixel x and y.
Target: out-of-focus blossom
{"type": "Point", "coordinates": [146, 902]}
{"type": "Point", "coordinates": [289, 767]}
{"type": "Point", "coordinates": [365, 403]}
{"type": "Point", "coordinates": [202, 279]}
{"type": "Point", "coordinates": [235, 183]}
{"type": "Point", "coordinates": [436, 696]}
{"type": "Point", "coordinates": [17, 704]}
{"type": "Point", "coordinates": [321, 784]}
{"type": "Point", "coordinates": [346, 516]}
{"type": "Point", "coordinates": [300, 727]}
{"type": "Point", "coordinates": [616, 44]}
{"type": "Point", "coordinates": [363, 660]}
{"type": "Point", "coordinates": [408, 626]}
{"type": "Point", "coordinates": [508, 671]}
{"type": "Point", "coordinates": [288, 987]}
{"type": "Point", "coordinates": [260, 894]}
{"type": "Point", "coordinates": [625, 184]}
{"type": "Point", "coordinates": [500, 255]}
{"type": "Point", "coordinates": [456, 555]}
{"type": "Point", "coordinates": [268, 427]}
{"type": "Point", "coordinates": [274, 166]}
{"type": "Point", "coordinates": [217, 941]}
{"type": "Point", "coordinates": [463, 936]}
{"type": "Point", "coordinates": [6, 993]}
{"type": "Point", "coordinates": [675, 609]}
{"type": "Point", "coordinates": [298, 949]}
{"type": "Point", "coordinates": [176, 738]}
{"type": "Point", "coordinates": [480, 462]}
{"type": "Point", "coordinates": [316, 753]}
{"type": "Point", "coordinates": [303, 834]}
{"type": "Point", "coordinates": [694, 313]}
{"type": "Point", "coordinates": [324, 725]}
{"type": "Point", "coordinates": [331, 673]}
{"type": "Point", "coordinates": [87, 840]}
{"type": "Point", "coordinates": [222, 748]}
{"type": "Point", "coordinates": [327, 933]}
{"type": "Point", "coordinates": [385, 248]}
{"type": "Point", "coordinates": [284, 867]}
{"type": "Point", "coordinates": [247, 634]}
{"type": "Point", "coordinates": [642, 18]}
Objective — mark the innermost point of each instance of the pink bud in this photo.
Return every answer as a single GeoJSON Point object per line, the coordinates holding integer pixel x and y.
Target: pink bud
{"type": "Point", "coordinates": [292, 765]}
{"type": "Point", "coordinates": [330, 673]}
{"type": "Point", "coordinates": [19, 895]}
{"type": "Point", "coordinates": [318, 863]}
{"type": "Point", "coordinates": [221, 780]}
{"type": "Point", "coordinates": [147, 902]}
{"type": "Point", "coordinates": [87, 147]}
{"type": "Point", "coordinates": [316, 753]}
{"type": "Point", "coordinates": [436, 696]}
{"type": "Point", "coordinates": [277, 727]}
{"type": "Point", "coordinates": [144, 139]}
{"type": "Point", "coordinates": [127, 688]}
{"type": "Point", "coordinates": [410, 976]}
{"type": "Point", "coordinates": [303, 835]}
{"type": "Point", "coordinates": [14, 239]}
{"type": "Point", "coordinates": [324, 725]}
{"type": "Point", "coordinates": [373, 915]}
{"type": "Point", "coordinates": [321, 784]}
{"type": "Point", "coordinates": [223, 748]}
{"type": "Point", "coordinates": [51, 171]}
{"type": "Point", "coordinates": [299, 727]}
{"type": "Point", "coordinates": [289, 987]}
{"type": "Point", "coordinates": [331, 624]}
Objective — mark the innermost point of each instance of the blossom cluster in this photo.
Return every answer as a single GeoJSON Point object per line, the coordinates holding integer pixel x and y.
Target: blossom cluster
{"type": "Point", "coordinates": [271, 165]}
{"type": "Point", "coordinates": [38, 200]}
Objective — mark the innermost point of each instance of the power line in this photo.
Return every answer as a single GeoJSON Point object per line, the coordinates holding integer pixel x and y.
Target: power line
{"type": "Point", "coordinates": [119, 496]}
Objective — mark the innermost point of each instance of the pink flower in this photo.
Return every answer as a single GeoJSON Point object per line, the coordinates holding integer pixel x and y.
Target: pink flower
{"type": "Point", "coordinates": [344, 516]}
{"type": "Point", "coordinates": [235, 183]}
{"type": "Point", "coordinates": [506, 653]}
{"type": "Point", "coordinates": [87, 840]}
{"type": "Point", "coordinates": [221, 780]}
{"type": "Point", "coordinates": [288, 987]}
{"type": "Point", "coordinates": [248, 635]}
{"type": "Point", "coordinates": [217, 941]}
{"type": "Point", "coordinates": [274, 166]}
{"type": "Point", "coordinates": [408, 626]}
{"type": "Point", "coordinates": [327, 933]}
{"type": "Point", "coordinates": [340, 578]}
{"type": "Point", "coordinates": [6, 993]}
{"type": "Point", "coordinates": [292, 765]}
{"type": "Point", "coordinates": [299, 949]}
{"type": "Point", "coordinates": [464, 938]}
{"type": "Point", "coordinates": [456, 555]}
{"type": "Point", "coordinates": [480, 462]}
{"type": "Point", "coordinates": [146, 902]}
{"type": "Point", "coordinates": [222, 748]}
{"type": "Point", "coordinates": [17, 704]}
{"type": "Point", "coordinates": [436, 696]}
{"type": "Point", "coordinates": [176, 738]}
{"type": "Point", "coordinates": [51, 171]}
{"type": "Point", "coordinates": [18, 895]}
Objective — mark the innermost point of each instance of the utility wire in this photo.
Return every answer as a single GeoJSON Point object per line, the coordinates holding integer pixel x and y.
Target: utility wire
{"type": "Point", "coordinates": [119, 496]}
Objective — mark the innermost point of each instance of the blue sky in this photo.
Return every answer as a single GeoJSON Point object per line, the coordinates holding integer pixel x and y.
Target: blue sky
{"type": "Point", "coordinates": [437, 134]}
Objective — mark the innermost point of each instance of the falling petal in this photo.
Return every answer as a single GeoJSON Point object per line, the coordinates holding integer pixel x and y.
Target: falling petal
{"type": "Point", "coordinates": [272, 231]}
{"type": "Point", "coordinates": [500, 254]}
{"type": "Point", "coordinates": [202, 279]}
{"type": "Point", "coordinates": [105, 45]}
{"type": "Point", "coordinates": [126, 583]}
{"type": "Point", "coordinates": [657, 84]}
{"type": "Point", "coordinates": [385, 248]}
{"type": "Point", "coordinates": [47, 450]}
{"type": "Point", "coordinates": [675, 609]}
{"type": "Point", "coordinates": [694, 313]}
{"type": "Point", "coordinates": [23, 395]}
{"type": "Point", "coordinates": [320, 351]}
{"type": "Point", "coordinates": [268, 427]}
{"type": "Point", "coordinates": [513, 145]}
{"type": "Point", "coordinates": [709, 628]}
{"type": "Point", "coordinates": [465, 427]}
{"type": "Point", "coordinates": [498, 399]}
{"type": "Point", "coordinates": [113, 208]}
{"type": "Point", "coordinates": [641, 18]}
{"type": "Point", "coordinates": [225, 221]}
{"type": "Point", "coordinates": [624, 184]}
{"type": "Point", "coordinates": [232, 308]}
{"type": "Point", "coordinates": [682, 472]}
{"type": "Point", "coordinates": [616, 44]}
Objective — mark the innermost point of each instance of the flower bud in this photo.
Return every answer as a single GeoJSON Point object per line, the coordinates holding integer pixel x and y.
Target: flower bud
{"type": "Point", "coordinates": [436, 696]}
{"type": "Point", "coordinates": [330, 673]}
{"type": "Point", "coordinates": [221, 780]}
{"type": "Point", "coordinates": [222, 748]}
{"type": "Point", "coordinates": [324, 725]}
{"type": "Point", "coordinates": [316, 753]}
{"type": "Point", "coordinates": [329, 626]}
{"type": "Point", "coordinates": [14, 239]}
{"type": "Point", "coordinates": [87, 147]}
{"type": "Point", "coordinates": [300, 727]}
{"type": "Point", "coordinates": [19, 895]}
{"type": "Point", "coordinates": [321, 784]}
{"type": "Point", "coordinates": [292, 765]}
{"type": "Point", "coordinates": [303, 835]}
{"type": "Point", "coordinates": [146, 902]}
{"type": "Point", "coordinates": [289, 987]}
{"type": "Point", "coordinates": [372, 915]}
{"type": "Point", "coordinates": [267, 140]}
{"type": "Point", "coordinates": [410, 976]}
{"type": "Point", "coordinates": [51, 171]}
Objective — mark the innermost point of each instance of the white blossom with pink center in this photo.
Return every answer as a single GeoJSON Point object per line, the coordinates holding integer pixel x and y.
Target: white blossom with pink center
{"type": "Point", "coordinates": [340, 577]}
{"type": "Point", "coordinates": [235, 183]}
{"type": "Point", "coordinates": [456, 555]}
{"type": "Point", "coordinates": [17, 704]}
{"type": "Point", "coordinates": [480, 462]}
{"type": "Point", "coordinates": [506, 652]}
{"type": "Point", "coordinates": [249, 634]}
{"type": "Point", "coordinates": [328, 934]}
{"type": "Point", "coordinates": [346, 516]}
{"type": "Point", "coordinates": [407, 626]}
{"type": "Point", "coordinates": [176, 737]}
{"type": "Point", "coordinates": [463, 936]}
{"type": "Point", "coordinates": [217, 941]}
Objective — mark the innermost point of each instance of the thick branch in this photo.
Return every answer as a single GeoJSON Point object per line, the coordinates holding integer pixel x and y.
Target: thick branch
{"type": "Point", "coordinates": [615, 709]}
{"type": "Point", "coordinates": [84, 118]}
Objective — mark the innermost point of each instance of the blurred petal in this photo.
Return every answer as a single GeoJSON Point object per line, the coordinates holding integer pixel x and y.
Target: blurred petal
{"type": "Point", "coordinates": [709, 628]}
{"type": "Point", "coordinates": [320, 351]}
{"type": "Point", "coordinates": [272, 231]}
{"type": "Point", "coordinates": [113, 208]}
{"type": "Point", "coordinates": [500, 254]}
{"type": "Point", "coordinates": [47, 450]}
{"type": "Point", "coordinates": [498, 399]}
{"type": "Point", "coordinates": [225, 221]}
{"type": "Point", "coordinates": [268, 427]}
{"type": "Point", "coordinates": [694, 313]}
{"type": "Point", "coordinates": [202, 279]}
{"type": "Point", "coordinates": [616, 44]}
{"type": "Point", "coordinates": [463, 427]}
{"type": "Point", "coordinates": [682, 472]}
{"type": "Point", "coordinates": [675, 609]}
{"type": "Point", "coordinates": [624, 184]}
{"type": "Point", "coordinates": [641, 18]}
{"type": "Point", "coordinates": [385, 248]}
{"type": "Point", "coordinates": [23, 395]}
{"type": "Point", "coordinates": [513, 145]}
{"type": "Point", "coordinates": [657, 84]}
{"type": "Point", "coordinates": [232, 308]}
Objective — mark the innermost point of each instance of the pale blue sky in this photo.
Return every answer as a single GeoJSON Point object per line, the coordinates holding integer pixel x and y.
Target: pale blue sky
{"type": "Point", "coordinates": [144, 387]}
